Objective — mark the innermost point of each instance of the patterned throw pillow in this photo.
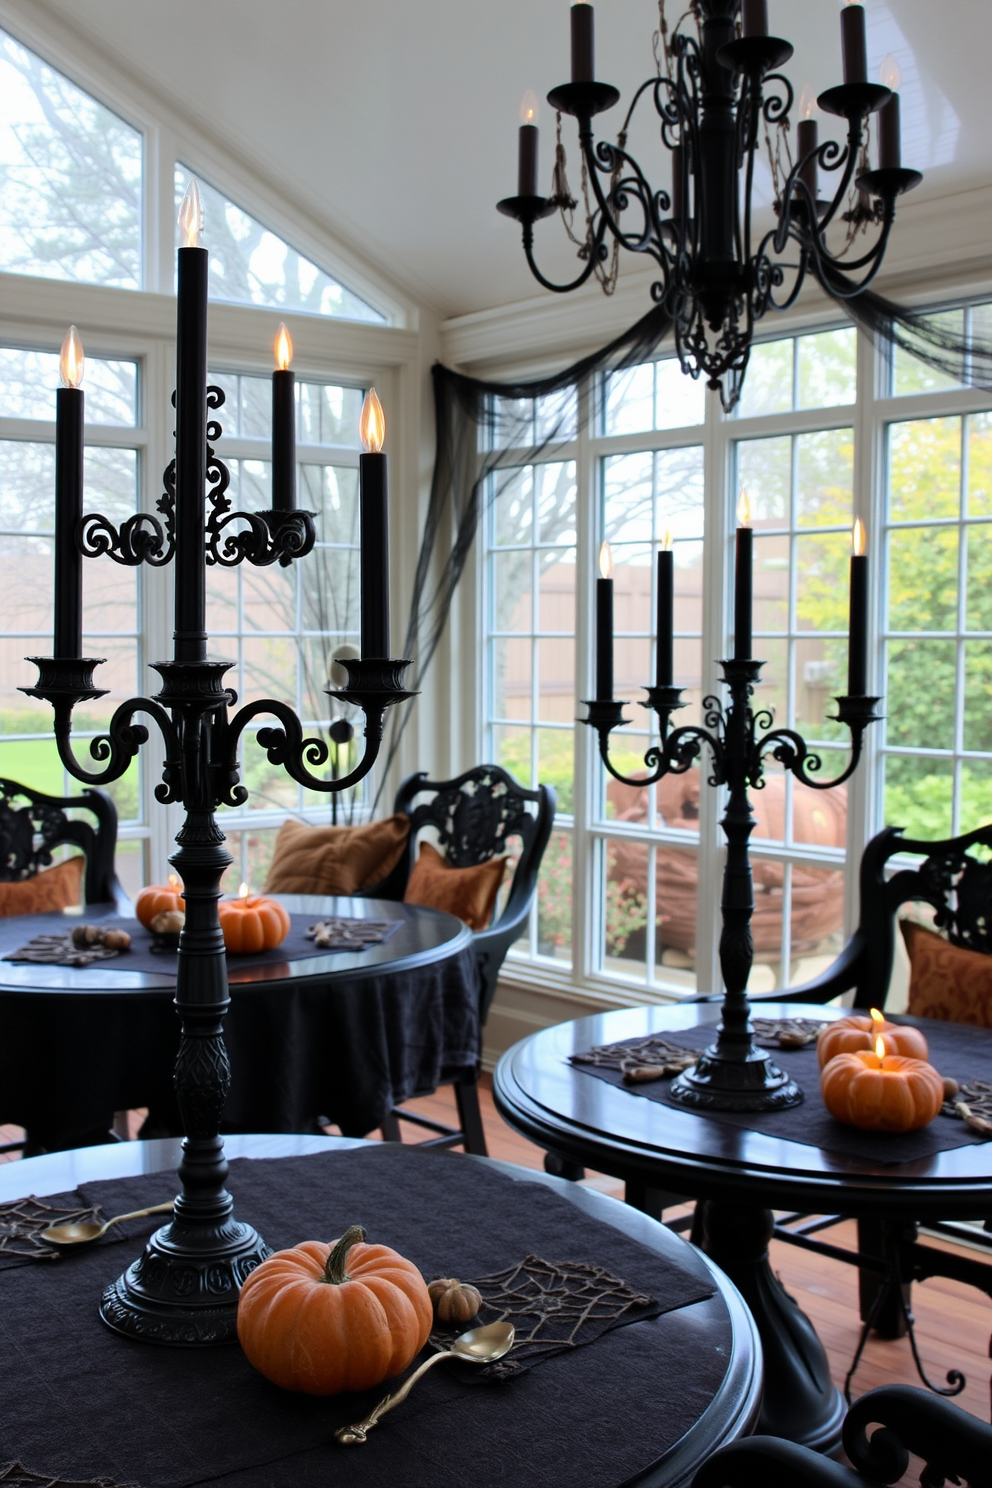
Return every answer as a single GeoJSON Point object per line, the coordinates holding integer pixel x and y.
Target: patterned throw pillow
{"type": "Point", "coordinates": [468, 893]}
{"type": "Point", "coordinates": [336, 860]}
{"type": "Point", "coordinates": [56, 888]}
{"type": "Point", "coordinates": [945, 980]}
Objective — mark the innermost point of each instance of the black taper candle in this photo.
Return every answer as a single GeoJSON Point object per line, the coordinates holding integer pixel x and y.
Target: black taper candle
{"type": "Point", "coordinates": [69, 403]}
{"type": "Point", "coordinates": [527, 161]}
{"type": "Point", "coordinates": [604, 640]}
{"type": "Point", "coordinates": [743, 594]}
{"type": "Point", "coordinates": [678, 199]}
{"type": "Point", "coordinates": [283, 440]}
{"type": "Point", "coordinates": [853, 44]}
{"type": "Point", "coordinates": [665, 639]}
{"type": "Point", "coordinates": [191, 455]}
{"type": "Point", "coordinates": [889, 135]}
{"type": "Point", "coordinates": [375, 555]}
{"type": "Point", "coordinates": [857, 638]}
{"type": "Point", "coordinates": [806, 143]}
{"type": "Point", "coordinates": [754, 18]}
{"type": "Point", "coordinates": [583, 57]}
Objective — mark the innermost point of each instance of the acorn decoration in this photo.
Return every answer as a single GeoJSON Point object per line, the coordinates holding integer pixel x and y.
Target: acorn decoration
{"type": "Point", "coordinates": [167, 922]}
{"type": "Point", "coordinates": [84, 936]}
{"type": "Point", "coordinates": [453, 1301]}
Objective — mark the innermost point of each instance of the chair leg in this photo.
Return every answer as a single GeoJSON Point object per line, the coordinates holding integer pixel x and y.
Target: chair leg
{"type": "Point", "coordinates": [563, 1167]}
{"type": "Point", "coordinates": [391, 1128]}
{"type": "Point", "coordinates": [470, 1113]}
{"type": "Point", "coordinates": [889, 1316]}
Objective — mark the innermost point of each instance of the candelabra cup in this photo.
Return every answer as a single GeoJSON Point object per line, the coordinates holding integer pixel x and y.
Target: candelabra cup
{"type": "Point", "coordinates": [183, 1290]}
{"type": "Point", "coordinates": [528, 209]}
{"type": "Point", "coordinates": [755, 56]}
{"type": "Point", "coordinates": [733, 1074]}
{"type": "Point", "coordinates": [854, 101]}
{"type": "Point", "coordinates": [583, 100]}
{"type": "Point", "coordinates": [888, 182]}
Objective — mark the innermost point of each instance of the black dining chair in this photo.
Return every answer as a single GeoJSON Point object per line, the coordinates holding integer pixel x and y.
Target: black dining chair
{"type": "Point", "coordinates": [473, 818]}
{"type": "Point", "coordinates": [955, 1447]}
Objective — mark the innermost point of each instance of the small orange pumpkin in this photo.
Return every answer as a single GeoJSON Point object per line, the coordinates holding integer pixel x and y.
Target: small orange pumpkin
{"type": "Point", "coordinates": [159, 899]}
{"type": "Point", "coordinates": [892, 1094]}
{"type": "Point", "coordinates": [251, 924]}
{"type": "Point", "coordinates": [858, 1032]}
{"type": "Point", "coordinates": [323, 1319]}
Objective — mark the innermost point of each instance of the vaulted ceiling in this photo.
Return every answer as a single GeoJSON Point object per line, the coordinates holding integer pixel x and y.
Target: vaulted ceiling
{"type": "Point", "coordinates": [394, 121]}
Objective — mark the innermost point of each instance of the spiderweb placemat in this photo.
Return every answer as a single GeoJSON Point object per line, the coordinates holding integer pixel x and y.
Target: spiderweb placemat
{"type": "Point", "coordinates": [14, 1475]}
{"type": "Point", "coordinates": [21, 1223]}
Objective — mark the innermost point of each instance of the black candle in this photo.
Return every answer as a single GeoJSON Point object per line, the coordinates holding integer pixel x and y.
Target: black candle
{"type": "Point", "coordinates": [191, 436]}
{"type": "Point", "coordinates": [743, 596]}
{"type": "Point", "coordinates": [857, 632]}
{"type": "Point", "coordinates": [666, 613]}
{"type": "Point", "coordinates": [889, 135]}
{"type": "Point", "coordinates": [678, 202]}
{"type": "Point", "coordinates": [69, 401]}
{"type": "Point", "coordinates": [754, 18]}
{"type": "Point", "coordinates": [283, 426]}
{"type": "Point", "coordinates": [374, 530]}
{"type": "Point", "coordinates": [806, 142]}
{"type": "Point", "coordinates": [604, 628]}
{"type": "Point", "coordinates": [853, 44]}
{"type": "Point", "coordinates": [583, 65]}
{"type": "Point", "coordinates": [527, 159]}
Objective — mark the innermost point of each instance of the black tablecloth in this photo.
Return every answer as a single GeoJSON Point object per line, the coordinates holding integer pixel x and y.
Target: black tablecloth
{"type": "Point", "coordinates": [348, 1050]}
{"type": "Point", "coordinates": [962, 1052]}
{"type": "Point", "coordinates": [145, 955]}
{"type": "Point", "coordinates": [80, 1401]}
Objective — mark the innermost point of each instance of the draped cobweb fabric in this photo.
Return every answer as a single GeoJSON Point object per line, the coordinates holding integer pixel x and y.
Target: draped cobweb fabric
{"type": "Point", "coordinates": [485, 432]}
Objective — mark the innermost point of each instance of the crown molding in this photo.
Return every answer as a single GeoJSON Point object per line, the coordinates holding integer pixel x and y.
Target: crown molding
{"type": "Point", "coordinates": [924, 261]}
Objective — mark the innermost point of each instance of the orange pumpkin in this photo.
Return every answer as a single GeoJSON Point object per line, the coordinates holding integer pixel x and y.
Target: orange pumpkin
{"type": "Point", "coordinates": [892, 1094]}
{"type": "Point", "coordinates": [251, 924]}
{"type": "Point", "coordinates": [159, 899]}
{"type": "Point", "coordinates": [323, 1319]}
{"type": "Point", "coordinates": [858, 1032]}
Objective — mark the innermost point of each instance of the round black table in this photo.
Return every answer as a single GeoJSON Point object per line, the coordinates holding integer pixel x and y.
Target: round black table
{"type": "Point", "coordinates": [341, 1034]}
{"type": "Point", "coordinates": [741, 1175]}
{"type": "Point", "coordinates": [731, 1412]}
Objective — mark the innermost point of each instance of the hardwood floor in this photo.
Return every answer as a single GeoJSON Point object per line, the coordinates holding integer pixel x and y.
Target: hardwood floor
{"type": "Point", "coordinates": [953, 1322]}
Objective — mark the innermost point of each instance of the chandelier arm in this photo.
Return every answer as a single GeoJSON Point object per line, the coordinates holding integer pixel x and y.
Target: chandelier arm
{"type": "Point", "coordinates": [594, 256]}
{"type": "Point", "coordinates": [602, 159]}
{"type": "Point", "coordinates": [833, 272]}
{"type": "Point", "coordinates": [119, 745]}
{"type": "Point", "coordinates": [831, 157]}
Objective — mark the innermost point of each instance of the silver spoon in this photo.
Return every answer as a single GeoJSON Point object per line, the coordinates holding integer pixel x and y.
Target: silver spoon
{"type": "Point", "coordinates": [86, 1233]}
{"type": "Point", "coordinates": [477, 1346]}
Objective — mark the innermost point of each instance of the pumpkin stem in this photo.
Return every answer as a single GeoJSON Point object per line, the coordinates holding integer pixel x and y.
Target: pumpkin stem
{"type": "Point", "coordinates": [334, 1271]}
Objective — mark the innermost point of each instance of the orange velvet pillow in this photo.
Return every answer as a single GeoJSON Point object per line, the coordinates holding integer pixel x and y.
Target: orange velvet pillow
{"type": "Point", "coordinates": [335, 860]}
{"type": "Point", "coordinates": [946, 981]}
{"type": "Point", "coordinates": [60, 887]}
{"type": "Point", "coordinates": [469, 893]}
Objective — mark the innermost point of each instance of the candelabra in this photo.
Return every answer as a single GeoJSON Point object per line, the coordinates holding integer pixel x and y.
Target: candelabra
{"type": "Point", "coordinates": [734, 1074]}
{"type": "Point", "coordinates": [716, 93]}
{"type": "Point", "coordinates": [184, 1288]}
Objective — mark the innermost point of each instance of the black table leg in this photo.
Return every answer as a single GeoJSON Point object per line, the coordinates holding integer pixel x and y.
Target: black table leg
{"type": "Point", "coordinates": [875, 1239]}
{"type": "Point", "coordinates": [801, 1403]}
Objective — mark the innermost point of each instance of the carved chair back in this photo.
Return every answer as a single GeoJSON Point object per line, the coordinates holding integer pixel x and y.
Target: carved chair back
{"type": "Point", "coordinates": [33, 825]}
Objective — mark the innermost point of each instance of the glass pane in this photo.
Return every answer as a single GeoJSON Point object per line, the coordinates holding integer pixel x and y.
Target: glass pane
{"type": "Point", "coordinates": [110, 597]}
{"type": "Point", "coordinates": [556, 595]}
{"type": "Point", "coordinates": [925, 469]}
{"type": "Point", "coordinates": [821, 674]}
{"type": "Point", "coordinates": [828, 365]}
{"type": "Point", "coordinates": [978, 699]}
{"type": "Point", "coordinates": [911, 375]}
{"type": "Point", "coordinates": [764, 469]}
{"type": "Point", "coordinates": [823, 567]}
{"type": "Point", "coordinates": [980, 465]}
{"type": "Point", "coordinates": [556, 680]}
{"type": "Point", "coordinates": [680, 400]}
{"type": "Point", "coordinates": [627, 910]}
{"type": "Point", "coordinates": [825, 478]}
{"type": "Point", "coordinates": [679, 477]}
{"type": "Point", "coordinates": [771, 582]}
{"type": "Point", "coordinates": [819, 817]}
{"type": "Point", "coordinates": [923, 578]}
{"type": "Point", "coordinates": [920, 717]}
{"type": "Point", "coordinates": [27, 487]}
{"type": "Point", "coordinates": [554, 488]}
{"type": "Point", "coordinates": [511, 679]}
{"type": "Point", "coordinates": [513, 506]}
{"type": "Point", "coordinates": [27, 566]}
{"type": "Point", "coordinates": [249, 265]}
{"type": "Point", "coordinates": [627, 495]}
{"type": "Point", "coordinates": [630, 400]}
{"type": "Point", "coordinates": [688, 573]}
{"type": "Point", "coordinates": [512, 750]}
{"type": "Point", "coordinates": [976, 793]}
{"type": "Point", "coordinates": [774, 690]}
{"type": "Point", "coordinates": [918, 796]}
{"type": "Point", "coordinates": [512, 578]}
{"type": "Point", "coordinates": [269, 597]}
{"type": "Point", "coordinates": [71, 203]}
{"type": "Point", "coordinates": [33, 762]}
{"type": "Point", "coordinates": [556, 416]}
{"type": "Point", "coordinates": [556, 764]}
{"type": "Point", "coordinates": [335, 501]}
{"type": "Point", "coordinates": [978, 608]}
{"type": "Point", "coordinates": [340, 409]}
{"type": "Point", "coordinates": [29, 381]}
{"type": "Point", "coordinates": [554, 899]}
{"type": "Point", "coordinates": [111, 482]}
{"type": "Point", "coordinates": [768, 383]}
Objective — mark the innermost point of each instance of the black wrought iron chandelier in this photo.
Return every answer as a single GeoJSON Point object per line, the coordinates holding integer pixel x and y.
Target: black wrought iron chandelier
{"type": "Point", "coordinates": [717, 95]}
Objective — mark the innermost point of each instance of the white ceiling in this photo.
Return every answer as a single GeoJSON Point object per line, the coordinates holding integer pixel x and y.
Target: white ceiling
{"type": "Point", "coordinates": [394, 121]}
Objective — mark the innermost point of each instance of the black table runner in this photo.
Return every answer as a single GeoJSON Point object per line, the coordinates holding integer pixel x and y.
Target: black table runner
{"type": "Point", "coordinates": [80, 1401]}
{"type": "Point", "coordinates": [965, 1053]}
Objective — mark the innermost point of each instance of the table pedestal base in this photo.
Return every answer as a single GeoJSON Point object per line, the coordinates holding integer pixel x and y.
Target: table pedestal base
{"type": "Point", "coordinates": [801, 1403]}
{"type": "Point", "coordinates": [184, 1290]}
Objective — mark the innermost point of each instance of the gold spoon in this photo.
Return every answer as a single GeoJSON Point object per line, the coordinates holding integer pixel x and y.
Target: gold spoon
{"type": "Point", "coordinates": [477, 1346]}
{"type": "Point", "coordinates": [85, 1234]}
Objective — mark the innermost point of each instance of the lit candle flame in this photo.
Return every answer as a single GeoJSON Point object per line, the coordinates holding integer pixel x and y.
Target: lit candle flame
{"type": "Point", "coordinates": [666, 541]}
{"type": "Point", "coordinates": [859, 541]}
{"type": "Point", "coordinates": [191, 215]}
{"type": "Point", "coordinates": [880, 1048]}
{"type": "Point", "coordinates": [891, 73]}
{"type": "Point", "coordinates": [71, 360]}
{"type": "Point", "coordinates": [283, 348]}
{"type": "Point", "coordinates": [807, 102]}
{"type": "Point", "coordinates": [605, 560]}
{"type": "Point", "coordinates": [529, 112]}
{"type": "Point", "coordinates": [877, 1018]}
{"type": "Point", "coordinates": [744, 508]}
{"type": "Point", "coordinates": [372, 424]}
{"type": "Point", "coordinates": [174, 882]}
{"type": "Point", "coordinates": [243, 891]}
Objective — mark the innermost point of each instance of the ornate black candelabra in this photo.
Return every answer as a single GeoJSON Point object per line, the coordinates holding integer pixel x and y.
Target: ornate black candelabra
{"type": "Point", "coordinates": [716, 94]}
{"type": "Point", "coordinates": [184, 1288]}
{"type": "Point", "coordinates": [733, 1074]}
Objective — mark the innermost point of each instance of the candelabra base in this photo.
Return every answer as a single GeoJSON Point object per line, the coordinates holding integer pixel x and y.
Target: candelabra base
{"type": "Point", "coordinates": [183, 1292]}
{"type": "Point", "coordinates": [749, 1081]}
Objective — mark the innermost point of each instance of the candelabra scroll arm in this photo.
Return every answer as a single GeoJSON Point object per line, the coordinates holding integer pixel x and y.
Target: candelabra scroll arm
{"type": "Point", "coordinates": [792, 752]}
{"type": "Point", "coordinates": [593, 247]}
{"type": "Point", "coordinates": [139, 539]}
{"type": "Point", "coordinates": [120, 744]}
